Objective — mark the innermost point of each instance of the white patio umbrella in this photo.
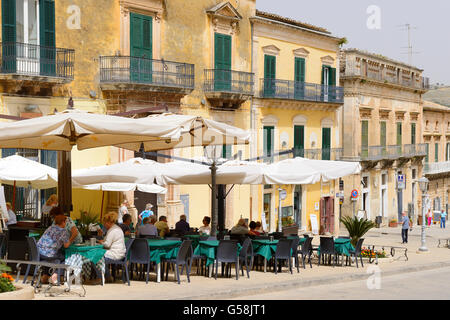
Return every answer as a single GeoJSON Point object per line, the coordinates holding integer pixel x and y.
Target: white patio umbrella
{"type": "Point", "coordinates": [124, 187]}
{"type": "Point", "coordinates": [22, 172]}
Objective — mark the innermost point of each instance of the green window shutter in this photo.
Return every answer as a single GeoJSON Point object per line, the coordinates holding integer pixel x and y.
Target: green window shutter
{"type": "Point", "coordinates": [332, 76]}
{"type": "Point", "coordinates": [8, 152]}
{"type": "Point", "coordinates": [226, 151]}
{"type": "Point", "coordinates": [141, 46]}
{"type": "Point", "coordinates": [427, 147]}
{"type": "Point", "coordinates": [324, 68]}
{"type": "Point", "coordinates": [413, 133]}
{"type": "Point", "coordinates": [365, 134]}
{"type": "Point", "coordinates": [299, 75]}
{"type": "Point", "coordinates": [436, 152]}
{"type": "Point", "coordinates": [48, 158]}
{"type": "Point", "coordinates": [222, 62]}
{"type": "Point", "coordinates": [399, 133]}
{"type": "Point", "coordinates": [268, 141]}
{"type": "Point", "coordinates": [269, 75]}
{"type": "Point", "coordinates": [326, 143]}
{"type": "Point", "coordinates": [9, 36]}
{"type": "Point", "coordinates": [47, 37]}
{"type": "Point", "coordinates": [299, 141]}
{"type": "Point", "coordinates": [383, 133]}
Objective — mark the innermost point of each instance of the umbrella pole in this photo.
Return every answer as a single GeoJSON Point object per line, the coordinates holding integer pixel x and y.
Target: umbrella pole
{"type": "Point", "coordinates": [65, 181]}
{"type": "Point", "coordinates": [14, 197]}
{"type": "Point", "coordinates": [101, 210]}
{"type": "Point", "coordinates": [214, 215]}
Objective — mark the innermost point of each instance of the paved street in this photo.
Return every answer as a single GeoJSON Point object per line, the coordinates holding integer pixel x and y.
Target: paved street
{"type": "Point", "coordinates": [429, 285]}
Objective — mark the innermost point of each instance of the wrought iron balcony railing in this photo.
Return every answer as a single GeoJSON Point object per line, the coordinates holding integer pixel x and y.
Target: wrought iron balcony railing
{"type": "Point", "coordinates": [237, 82]}
{"type": "Point", "coordinates": [295, 90]}
{"type": "Point", "coordinates": [375, 153]}
{"type": "Point", "coordinates": [33, 60]}
{"type": "Point", "coordinates": [125, 69]}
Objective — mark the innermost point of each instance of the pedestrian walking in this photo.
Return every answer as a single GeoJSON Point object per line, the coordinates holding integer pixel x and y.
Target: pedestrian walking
{"type": "Point", "coordinates": [405, 227]}
{"type": "Point", "coordinates": [443, 217]}
{"type": "Point", "coordinates": [429, 216]}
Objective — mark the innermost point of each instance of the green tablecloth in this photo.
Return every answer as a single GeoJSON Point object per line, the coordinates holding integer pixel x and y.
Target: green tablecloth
{"type": "Point", "coordinates": [34, 235]}
{"type": "Point", "coordinates": [167, 249]}
{"type": "Point", "coordinates": [93, 253]}
{"type": "Point", "coordinates": [342, 246]}
{"type": "Point", "coordinates": [267, 248]}
{"type": "Point", "coordinates": [209, 250]}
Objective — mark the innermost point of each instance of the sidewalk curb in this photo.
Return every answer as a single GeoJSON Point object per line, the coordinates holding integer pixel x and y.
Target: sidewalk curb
{"type": "Point", "coordinates": [282, 286]}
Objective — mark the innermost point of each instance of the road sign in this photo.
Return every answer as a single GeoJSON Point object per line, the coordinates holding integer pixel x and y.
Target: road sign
{"type": "Point", "coordinates": [401, 181]}
{"type": "Point", "coordinates": [355, 194]}
{"type": "Point", "coordinates": [283, 194]}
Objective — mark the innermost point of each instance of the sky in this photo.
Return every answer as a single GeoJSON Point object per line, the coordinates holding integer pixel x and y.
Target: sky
{"type": "Point", "coordinates": [376, 26]}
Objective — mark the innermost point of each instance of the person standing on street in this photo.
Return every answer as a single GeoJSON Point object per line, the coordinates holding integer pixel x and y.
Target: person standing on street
{"type": "Point", "coordinates": [443, 217]}
{"type": "Point", "coordinates": [405, 227]}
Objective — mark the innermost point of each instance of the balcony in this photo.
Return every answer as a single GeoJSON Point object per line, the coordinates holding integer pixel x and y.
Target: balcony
{"type": "Point", "coordinates": [436, 168]}
{"type": "Point", "coordinates": [385, 75]}
{"type": "Point", "coordinates": [133, 73]}
{"type": "Point", "coordinates": [228, 88]}
{"type": "Point", "coordinates": [301, 91]}
{"type": "Point", "coordinates": [31, 63]}
{"type": "Point", "coordinates": [377, 153]}
{"type": "Point", "coordinates": [333, 154]}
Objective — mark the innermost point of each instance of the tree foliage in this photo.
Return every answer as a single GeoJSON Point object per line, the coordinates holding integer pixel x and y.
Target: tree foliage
{"type": "Point", "coordinates": [357, 228]}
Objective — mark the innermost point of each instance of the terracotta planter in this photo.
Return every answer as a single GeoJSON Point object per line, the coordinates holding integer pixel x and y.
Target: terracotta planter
{"type": "Point", "coordinates": [393, 224]}
{"type": "Point", "coordinates": [290, 230]}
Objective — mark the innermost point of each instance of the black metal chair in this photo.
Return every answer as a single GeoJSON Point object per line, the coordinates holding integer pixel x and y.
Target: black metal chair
{"type": "Point", "coordinates": [344, 237]}
{"type": "Point", "coordinates": [123, 263]}
{"type": "Point", "coordinates": [143, 236]}
{"type": "Point", "coordinates": [306, 251]}
{"type": "Point", "coordinates": [211, 238]}
{"type": "Point", "coordinates": [283, 252]}
{"type": "Point", "coordinates": [294, 251]}
{"type": "Point", "coordinates": [327, 248]}
{"type": "Point", "coordinates": [35, 256]}
{"type": "Point", "coordinates": [2, 244]}
{"type": "Point", "coordinates": [357, 253]}
{"type": "Point", "coordinates": [184, 258]}
{"type": "Point", "coordinates": [140, 254]}
{"type": "Point", "coordinates": [227, 253]}
{"type": "Point", "coordinates": [246, 256]}
{"type": "Point", "coordinates": [173, 238]}
{"type": "Point", "coordinates": [277, 235]}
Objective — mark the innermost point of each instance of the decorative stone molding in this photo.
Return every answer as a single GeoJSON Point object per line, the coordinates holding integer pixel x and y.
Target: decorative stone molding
{"type": "Point", "coordinates": [270, 119]}
{"type": "Point", "coordinates": [301, 53]}
{"type": "Point", "coordinates": [327, 123]}
{"type": "Point", "coordinates": [271, 50]}
{"type": "Point", "coordinates": [225, 18]}
{"type": "Point", "coordinates": [144, 6]}
{"type": "Point", "coordinates": [327, 60]}
{"type": "Point", "coordinates": [399, 115]}
{"type": "Point", "coordinates": [365, 113]}
{"type": "Point", "coordinates": [414, 116]}
{"type": "Point", "coordinates": [299, 120]}
{"type": "Point", "coordinates": [384, 114]}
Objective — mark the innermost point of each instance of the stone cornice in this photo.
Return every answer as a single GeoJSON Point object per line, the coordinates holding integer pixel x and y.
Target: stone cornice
{"type": "Point", "coordinates": [295, 105]}
{"type": "Point", "coordinates": [382, 83]}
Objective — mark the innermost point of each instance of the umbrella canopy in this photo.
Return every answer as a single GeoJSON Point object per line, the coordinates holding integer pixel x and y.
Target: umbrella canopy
{"type": "Point", "coordinates": [134, 171]}
{"type": "Point", "coordinates": [22, 172]}
{"type": "Point", "coordinates": [124, 187]}
{"type": "Point", "coordinates": [87, 130]}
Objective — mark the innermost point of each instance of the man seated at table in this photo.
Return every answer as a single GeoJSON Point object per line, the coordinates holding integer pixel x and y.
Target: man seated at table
{"type": "Point", "coordinates": [240, 228]}
{"type": "Point", "coordinates": [11, 218]}
{"type": "Point", "coordinates": [148, 229]}
{"type": "Point", "coordinates": [206, 228]}
{"type": "Point", "coordinates": [253, 230]}
{"type": "Point", "coordinates": [162, 226]}
{"type": "Point", "coordinates": [51, 243]}
{"type": "Point", "coordinates": [182, 226]}
{"type": "Point", "coordinates": [125, 226]}
{"type": "Point", "coordinates": [75, 235]}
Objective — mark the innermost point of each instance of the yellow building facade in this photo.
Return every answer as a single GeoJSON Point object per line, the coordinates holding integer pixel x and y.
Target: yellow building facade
{"type": "Point", "coordinates": [295, 108]}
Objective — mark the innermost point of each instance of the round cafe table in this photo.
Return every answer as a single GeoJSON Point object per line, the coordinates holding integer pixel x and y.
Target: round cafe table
{"type": "Point", "coordinates": [82, 256]}
{"type": "Point", "coordinates": [208, 249]}
{"type": "Point", "coordinates": [342, 247]}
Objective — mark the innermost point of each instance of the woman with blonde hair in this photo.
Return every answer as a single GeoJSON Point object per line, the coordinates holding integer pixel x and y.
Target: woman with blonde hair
{"type": "Point", "coordinates": [114, 242]}
{"type": "Point", "coordinates": [51, 202]}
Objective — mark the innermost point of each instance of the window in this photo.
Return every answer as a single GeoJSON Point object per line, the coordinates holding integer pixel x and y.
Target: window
{"type": "Point", "coordinates": [268, 142]}
{"type": "Point", "coordinates": [222, 62]}
{"type": "Point", "coordinates": [227, 151]}
{"type": "Point", "coordinates": [413, 133]}
{"type": "Point", "coordinates": [399, 133]}
{"type": "Point", "coordinates": [447, 152]}
{"type": "Point", "coordinates": [299, 77]}
{"type": "Point", "coordinates": [364, 138]}
{"type": "Point", "coordinates": [326, 143]}
{"type": "Point", "coordinates": [299, 141]}
{"type": "Point", "coordinates": [427, 147]}
{"type": "Point", "coordinates": [328, 75]}
{"type": "Point", "coordinates": [436, 152]}
{"type": "Point", "coordinates": [27, 21]}
{"type": "Point", "coordinates": [269, 75]}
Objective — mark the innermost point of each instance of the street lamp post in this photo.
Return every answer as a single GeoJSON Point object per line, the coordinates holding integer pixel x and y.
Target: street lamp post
{"type": "Point", "coordinates": [423, 185]}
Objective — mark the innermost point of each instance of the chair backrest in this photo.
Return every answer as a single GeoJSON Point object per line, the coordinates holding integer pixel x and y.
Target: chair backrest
{"type": "Point", "coordinates": [203, 238]}
{"type": "Point", "coordinates": [211, 238]}
{"type": "Point", "coordinates": [344, 237]}
{"type": "Point", "coordinates": [283, 248]}
{"type": "Point", "coordinates": [247, 248]}
{"type": "Point", "coordinates": [359, 246]}
{"type": "Point", "coordinates": [2, 243]}
{"type": "Point", "coordinates": [327, 245]}
{"type": "Point", "coordinates": [128, 244]}
{"type": "Point", "coordinates": [294, 245]}
{"type": "Point", "coordinates": [306, 247]}
{"type": "Point", "coordinates": [227, 250]}
{"type": "Point", "coordinates": [33, 249]}
{"type": "Point", "coordinates": [185, 251]}
{"type": "Point", "coordinates": [143, 236]}
{"type": "Point", "coordinates": [277, 235]}
{"type": "Point", "coordinates": [306, 236]}
{"type": "Point", "coordinates": [173, 238]}
{"type": "Point", "coordinates": [139, 251]}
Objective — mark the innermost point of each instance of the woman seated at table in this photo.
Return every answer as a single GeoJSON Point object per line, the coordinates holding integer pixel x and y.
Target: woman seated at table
{"type": "Point", "coordinates": [51, 243]}
{"type": "Point", "coordinates": [253, 230]}
{"type": "Point", "coordinates": [114, 242]}
{"type": "Point", "coordinates": [206, 228]}
{"type": "Point", "coordinates": [240, 228]}
{"type": "Point", "coordinates": [148, 229]}
{"type": "Point", "coordinates": [75, 235]}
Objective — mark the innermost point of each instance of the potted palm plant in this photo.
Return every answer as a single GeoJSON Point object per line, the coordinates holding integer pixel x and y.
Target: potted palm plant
{"type": "Point", "coordinates": [357, 228]}
{"type": "Point", "coordinates": [86, 219]}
